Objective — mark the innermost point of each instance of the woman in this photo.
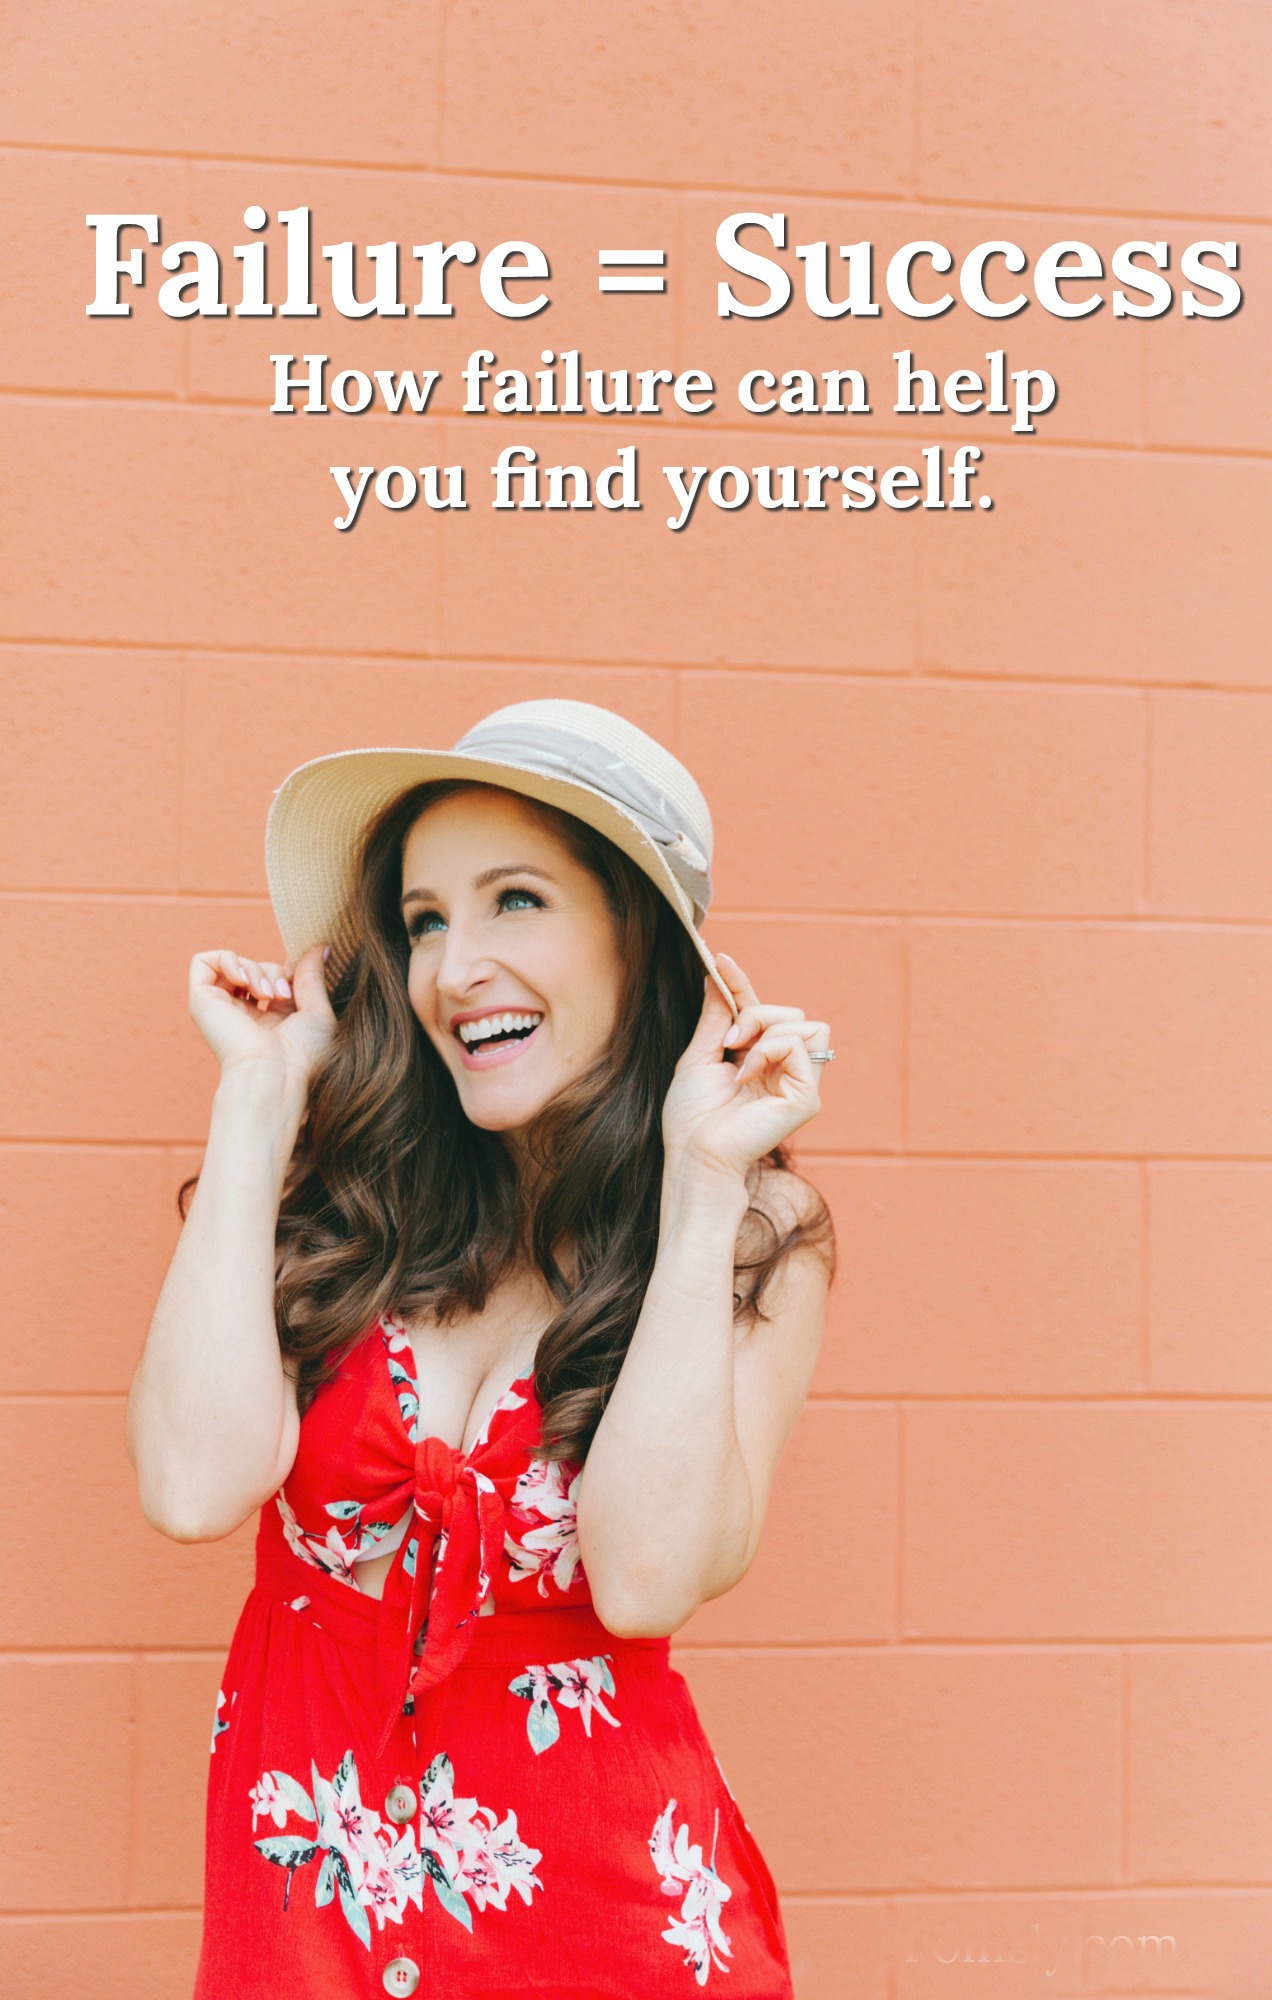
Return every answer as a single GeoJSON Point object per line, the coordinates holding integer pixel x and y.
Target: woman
{"type": "Point", "coordinates": [496, 1296]}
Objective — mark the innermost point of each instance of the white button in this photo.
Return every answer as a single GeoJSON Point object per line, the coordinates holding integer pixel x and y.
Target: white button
{"type": "Point", "coordinates": [401, 1975]}
{"type": "Point", "coordinates": [401, 1805]}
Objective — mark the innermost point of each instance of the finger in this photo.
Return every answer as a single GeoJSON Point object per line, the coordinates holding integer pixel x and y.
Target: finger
{"type": "Point", "coordinates": [260, 988]}
{"type": "Point", "coordinates": [309, 986]}
{"type": "Point", "coordinates": [752, 1021]}
{"type": "Point", "coordinates": [780, 1048]}
{"type": "Point", "coordinates": [218, 968]}
{"type": "Point", "coordinates": [736, 980]}
{"type": "Point", "coordinates": [278, 975]}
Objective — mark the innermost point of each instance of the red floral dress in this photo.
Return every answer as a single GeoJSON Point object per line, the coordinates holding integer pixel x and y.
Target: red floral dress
{"type": "Point", "coordinates": [410, 1793]}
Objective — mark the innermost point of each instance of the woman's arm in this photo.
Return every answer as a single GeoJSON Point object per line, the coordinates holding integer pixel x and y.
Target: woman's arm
{"type": "Point", "coordinates": [212, 1421]}
{"type": "Point", "coordinates": [676, 1482]}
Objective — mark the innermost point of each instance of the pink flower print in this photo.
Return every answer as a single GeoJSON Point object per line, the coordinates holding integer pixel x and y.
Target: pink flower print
{"type": "Point", "coordinates": [512, 1860]}
{"type": "Point", "coordinates": [476, 1876]}
{"type": "Point", "coordinates": [448, 1826]}
{"type": "Point", "coordinates": [344, 1823]}
{"type": "Point", "coordinates": [267, 1800]}
{"type": "Point", "coordinates": [394, 1874]}
{"type": "Point", "coordinates": [581, 1684]}
{"type": "Point", "coordinates": [697, 1930]}
{"type": "Point", "coordinates": [329, 1553]}
{"type": "Point", "coordinates": [552, 1548]}
{"type": "Point", "coordinates": [576, 1684]}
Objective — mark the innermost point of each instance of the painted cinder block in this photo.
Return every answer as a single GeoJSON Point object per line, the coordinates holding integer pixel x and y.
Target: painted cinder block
{"type": "Point", "coordinates": [1210, 845]}
{"type": "Point", "coordinates": [282, 85]}
{"type": "Point", "coordinates": [145, 1073]}
{"type": "Point", "coordinates": [1209, 1277]}
{"type": "Point", "coordinates": [1161, 110]}
{"type": "Point", "coordinates": [1090, 1038]}
{"type": "Point", "coordinates": [109, 1211]}
{"type": "Point", "coordinates": [90, 768]}
{"type": "Point", "coordinates": [49, 1710]}
{"type": "Point", "coordinates": [1208, 382]}
{"type": "Point", "coordinates": [218, 531]}
{"type": "Point", "coordinates": [1085, 1520]}
{"type": "Point", "coordinates": [838, 1947]}
{"type": "Point", "coordinates": [983, 1277]}
{"type": "Point", "coordinates": [917, 796]}
{"type": "Point", "coordinates": [151, 1591]}
{"type": "Point", "coordinates": [851, 974]}
{"type": "Point", "coordinates": [892, 1768]}
{"type": "Point", "coordinates": [826, 1569]}
{"type": "Point", "coordinates": [176, 1703]}
{"type": "Point", "coordinates": [1145, 1943]}
{"type": "Point", "coordinates": [137, 1955]}
{"type": "Point", "coordinates": [1143, 543]}
{"type": "Point", "coordinates": [745, 587]}
{"type": "Point", "coordinates": [1200, 1766]}
{"type": "Point", "coordinates": [47, 339]}
{"type": "Point", "coordinates": [828, 105]}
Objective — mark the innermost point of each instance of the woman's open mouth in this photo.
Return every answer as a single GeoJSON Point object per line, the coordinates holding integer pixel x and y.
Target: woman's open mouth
{"type": "Point", "coordinates": [495, 1038]}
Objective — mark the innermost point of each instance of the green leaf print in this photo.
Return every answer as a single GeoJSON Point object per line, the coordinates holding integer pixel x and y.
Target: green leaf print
{"type": "Point", "coordinates": [440, 1765]}
{"type": "Point", "coordinates": [355, 1915]}
{"type": "Point", "coordinates": [447, 1894]}
{"type": "Point", "coordinates": [325, 1887]}
{"type": "Point", "coordinates": [346, 1775]}
{"type": "Point", "coordinates": [343, 1510]}
{"type": "Point", "coordinates": [607, 1678]}
{"type": "Point", "coordinates": [286, 1850]}
{"type": "Point", "coordinates": [542, 1726]}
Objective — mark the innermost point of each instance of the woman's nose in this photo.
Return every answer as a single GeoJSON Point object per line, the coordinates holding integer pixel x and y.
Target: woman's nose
{"type": "Point", "coordinates": [464, 966]}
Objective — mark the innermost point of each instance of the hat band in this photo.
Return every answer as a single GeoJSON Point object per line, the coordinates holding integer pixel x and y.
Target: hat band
{"type": "Point", "coordinates": [533, 746]}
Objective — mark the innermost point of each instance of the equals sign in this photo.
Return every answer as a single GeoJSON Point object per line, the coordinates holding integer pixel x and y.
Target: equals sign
{"type": "Point", "coordinates": [624, 280]}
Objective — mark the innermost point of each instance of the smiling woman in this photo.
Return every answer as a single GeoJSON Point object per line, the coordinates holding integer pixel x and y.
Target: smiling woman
{"type": "Point", "coordinates": [498, 1296]}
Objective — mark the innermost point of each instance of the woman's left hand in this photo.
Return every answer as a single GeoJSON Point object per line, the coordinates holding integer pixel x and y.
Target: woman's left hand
{"type": "Point", "coordinates": [729, 1113]}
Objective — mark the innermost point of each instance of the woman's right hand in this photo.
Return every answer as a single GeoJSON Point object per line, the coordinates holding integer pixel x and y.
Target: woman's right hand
{"type": "Point", "coordinates": [253, 1011]}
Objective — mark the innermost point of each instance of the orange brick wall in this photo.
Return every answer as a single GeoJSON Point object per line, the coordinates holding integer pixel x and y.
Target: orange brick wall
{"type": "Point", "coordinates": [991, 793]}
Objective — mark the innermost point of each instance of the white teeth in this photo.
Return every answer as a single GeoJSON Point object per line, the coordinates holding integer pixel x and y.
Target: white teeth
{"type": "Point", "coordinates": [494, 1024]}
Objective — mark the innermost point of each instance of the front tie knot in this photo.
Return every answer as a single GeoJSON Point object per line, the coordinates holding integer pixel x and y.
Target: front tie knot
{"type": "Point", "coordinates": [439, 1469]}
{"type": "Point", "coordinates": [440, 1603]}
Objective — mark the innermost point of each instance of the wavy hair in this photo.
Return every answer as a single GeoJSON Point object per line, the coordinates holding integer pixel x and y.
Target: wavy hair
{"type": "Point", "coordinates": [396, 1202]}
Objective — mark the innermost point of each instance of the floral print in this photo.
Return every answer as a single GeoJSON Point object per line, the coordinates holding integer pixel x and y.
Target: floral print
{"type": "Point", "coordinates": [551, 1550]}
{"type": "Point", "coordinates": [332, 1553]}
{"type": "Point", "coordinates": [562, 1850]}
{"type": "Point", "coordinates": [220, 1723]}
{"type": "Point", "coordinates": [466, 1857]}
{"type": "Point", "coordinates": [697, 1929]}
{"type": "Point", "coordinates": [465, 1850]}
{"type": "Point", "coordinates": [576, 1684]}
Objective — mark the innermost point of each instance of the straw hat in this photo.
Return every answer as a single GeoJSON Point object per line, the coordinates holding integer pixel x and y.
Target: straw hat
{"type": "Point", "coordinates": [586, 760]}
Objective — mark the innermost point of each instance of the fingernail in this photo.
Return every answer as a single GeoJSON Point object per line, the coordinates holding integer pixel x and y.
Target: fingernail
{"type": "Point", "coordinates": [731, 1036]}
{"type": "Point", "coordinates": [326, 953]}
{"type": "Point", "coordinates": [284, 990]}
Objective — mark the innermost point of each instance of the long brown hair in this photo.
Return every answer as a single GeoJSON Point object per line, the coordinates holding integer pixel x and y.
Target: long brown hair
{"type": "Point", "coordinates": [395, 1201]}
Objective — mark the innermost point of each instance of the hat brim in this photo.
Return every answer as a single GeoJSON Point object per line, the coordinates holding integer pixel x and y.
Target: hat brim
{"type": "Point", "coordinates": [323, 808]}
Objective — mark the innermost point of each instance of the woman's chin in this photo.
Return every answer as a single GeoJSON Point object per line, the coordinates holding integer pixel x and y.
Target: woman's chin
{"type": "Point", "coordinates": [493, 1109]}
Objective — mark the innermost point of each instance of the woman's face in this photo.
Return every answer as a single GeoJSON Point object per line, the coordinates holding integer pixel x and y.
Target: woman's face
{"type": "Point", "coordinates": [514, 973]}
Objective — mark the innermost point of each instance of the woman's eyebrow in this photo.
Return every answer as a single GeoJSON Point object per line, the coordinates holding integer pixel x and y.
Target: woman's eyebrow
{"type": "Point", "coordinates": [483, 881]}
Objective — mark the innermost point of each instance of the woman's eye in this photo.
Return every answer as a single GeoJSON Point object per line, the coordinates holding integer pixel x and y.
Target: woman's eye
{"type": "Point", "coordinates": [520, 899]}
{"type": "Point", "coordinates": [425, 924]}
